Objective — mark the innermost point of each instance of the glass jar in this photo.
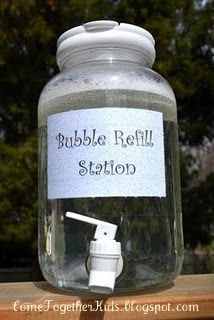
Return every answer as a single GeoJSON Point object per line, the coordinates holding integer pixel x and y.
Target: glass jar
{"type": "Point", "coordinates": [108, 150]}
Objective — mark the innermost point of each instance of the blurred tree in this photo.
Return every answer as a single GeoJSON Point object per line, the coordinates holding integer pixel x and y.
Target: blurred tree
{"type": "Point", "coordinates": [183, 31]}
{"type": "Point", "coordinates": [28, 33]}
{"type": "Point", "coordinates": [18, 205]}
{"type": "Point", "coordinates": [199, 212]}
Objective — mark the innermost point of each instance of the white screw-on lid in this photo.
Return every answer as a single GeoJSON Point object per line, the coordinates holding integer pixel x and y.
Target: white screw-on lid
{"type": "Point", "coordinates": [104, 34]}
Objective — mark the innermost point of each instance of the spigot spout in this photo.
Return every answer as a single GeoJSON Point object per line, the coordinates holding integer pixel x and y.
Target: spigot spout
{"type": "Point", "coordinates": [104, 253]}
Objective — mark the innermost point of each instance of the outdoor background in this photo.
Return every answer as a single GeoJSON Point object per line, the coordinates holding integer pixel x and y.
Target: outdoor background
{"type": "Point", "coordinates": [183, 30]}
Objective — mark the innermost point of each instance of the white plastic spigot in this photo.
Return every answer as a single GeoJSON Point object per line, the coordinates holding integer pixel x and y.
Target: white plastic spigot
{"type": "Point", "coordinates": [104, 253]}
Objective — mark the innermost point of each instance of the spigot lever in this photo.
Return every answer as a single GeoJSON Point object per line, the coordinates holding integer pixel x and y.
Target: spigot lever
{"type": "Point", "coordinates": [104, 230]}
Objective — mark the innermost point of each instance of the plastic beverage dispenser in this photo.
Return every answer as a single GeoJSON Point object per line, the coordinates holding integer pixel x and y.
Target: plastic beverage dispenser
{"type": "Point", "coordinates": [109, 189]}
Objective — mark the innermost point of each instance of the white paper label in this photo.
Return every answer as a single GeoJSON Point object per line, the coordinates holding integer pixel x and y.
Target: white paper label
{"type": "Point", "coordinates": [106, 152]}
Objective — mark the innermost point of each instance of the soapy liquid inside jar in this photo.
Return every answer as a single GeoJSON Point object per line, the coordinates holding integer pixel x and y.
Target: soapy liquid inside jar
{"type": "Point", "coordinates": [151, 246]}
